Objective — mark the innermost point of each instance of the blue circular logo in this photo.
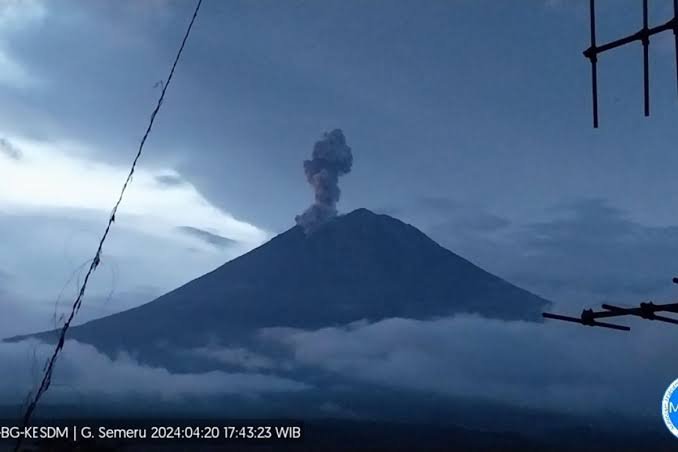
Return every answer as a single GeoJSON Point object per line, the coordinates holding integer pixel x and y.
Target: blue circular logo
{"type": "Point", "coordinates": [670, 408]}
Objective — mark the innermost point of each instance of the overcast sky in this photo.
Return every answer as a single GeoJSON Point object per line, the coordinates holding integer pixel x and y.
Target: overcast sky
{"type": "Point", "coordinates": [469, 119]}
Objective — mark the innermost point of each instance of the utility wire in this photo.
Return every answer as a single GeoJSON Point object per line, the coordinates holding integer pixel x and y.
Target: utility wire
{"type": "Point", "coordinates": [49, 367]}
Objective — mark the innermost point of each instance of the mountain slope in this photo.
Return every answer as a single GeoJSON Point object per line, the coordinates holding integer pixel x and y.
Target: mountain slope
{"type": "Point", "coordinates": [357, 266]}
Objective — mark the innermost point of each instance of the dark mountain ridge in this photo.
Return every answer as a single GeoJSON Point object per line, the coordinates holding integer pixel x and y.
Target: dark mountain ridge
{"type": "Point", "coordinates": [358, 266]}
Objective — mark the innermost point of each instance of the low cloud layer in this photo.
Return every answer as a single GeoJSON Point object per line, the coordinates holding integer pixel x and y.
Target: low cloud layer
{"type": "Point", "coordinates": [555, 367]}
{"type": "Point", "coordinates": [548, 366]}
{"type": "Point", "coordinates": [82, 373]}
{"type": "Point", "coordinates": [234, 356]}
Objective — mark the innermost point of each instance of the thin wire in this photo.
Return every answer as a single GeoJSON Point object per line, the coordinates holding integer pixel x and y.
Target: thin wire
{"type": "Point", "coordinates": [49, 368]}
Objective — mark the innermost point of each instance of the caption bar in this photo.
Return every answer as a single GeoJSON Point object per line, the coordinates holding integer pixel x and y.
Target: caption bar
{"type": "Point", "coordinates": [209, 431]}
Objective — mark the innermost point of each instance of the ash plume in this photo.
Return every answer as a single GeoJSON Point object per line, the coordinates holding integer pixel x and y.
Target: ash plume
{"type": "Point", "coordinates": [331, 158]}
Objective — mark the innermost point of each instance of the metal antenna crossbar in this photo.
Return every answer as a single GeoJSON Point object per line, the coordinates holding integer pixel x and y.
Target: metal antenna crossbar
{"type": "Point", "coordinates": [643, 36]}
{"type": "Point", "coordinates": [647, 311]}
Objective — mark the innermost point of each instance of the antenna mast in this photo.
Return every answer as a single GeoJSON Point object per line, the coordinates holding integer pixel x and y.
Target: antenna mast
{"type": "Point", "coordinates": [643, 35]}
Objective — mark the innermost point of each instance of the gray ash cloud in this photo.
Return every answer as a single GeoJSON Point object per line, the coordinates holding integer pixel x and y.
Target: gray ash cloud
{"type": "Point", "coordinates": [331, 159]}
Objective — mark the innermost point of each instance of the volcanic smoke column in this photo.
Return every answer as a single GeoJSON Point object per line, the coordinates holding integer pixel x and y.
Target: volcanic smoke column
{"type": "Point", "coordinates": [331, 158]}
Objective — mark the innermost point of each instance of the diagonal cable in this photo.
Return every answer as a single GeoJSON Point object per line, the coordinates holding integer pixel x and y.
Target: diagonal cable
{"type": "Point", "coordinates": [49, 367]}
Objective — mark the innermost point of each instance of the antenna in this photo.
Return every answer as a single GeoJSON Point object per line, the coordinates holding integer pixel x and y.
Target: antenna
{"type": "Point", "coordinates": [647, 311]}
{"type": "Point", "coordinates": [643, 35]}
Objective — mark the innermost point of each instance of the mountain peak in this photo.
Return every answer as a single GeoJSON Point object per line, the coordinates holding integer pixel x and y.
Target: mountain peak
{"type": "Point", "coordinates": [363, 221]}
{"type": "Point", "coordinates": [358, 216]}
{"type": "Point", "coordinates": [360, 265]}
{"type": "Point", "coordinates": [365, 216]}
{"type": "Point", "coordinates": [361, 212]}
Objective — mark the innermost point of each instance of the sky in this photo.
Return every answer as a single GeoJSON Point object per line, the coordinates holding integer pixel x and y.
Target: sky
{"type": "Point", "coordinates": [468, 119]}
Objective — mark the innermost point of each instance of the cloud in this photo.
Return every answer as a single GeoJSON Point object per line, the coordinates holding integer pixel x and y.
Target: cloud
{"type": "Point", "coordinates": [51, 177]}
{"type": "Point", "coordinates": [450, 216]}
{"type": "Point", "coordinates": [15, 16]}
{"type": "Point", "coordinates": [238, 357]}
{"type": "Point", "coordinates": [336, 411]}
{"type": "Point", "coordinates": [598, 248]}
{"type": "Point", "coordinates": [135, 268]}
{"type": "Point", "coordinates": [582, 252]}
{"type": "Point", "coordinates": [54, 202]}
{"type": "Point", "coordinates": [11, 151]}
{"type": "Point", "coordinates": [554, 367]}
{"type": "Point", "coordinates": [208, 237]}
{"type": "Point", "coordinates": [440, 203]}
{"type": "Point", "coordinates": [84, 372]}
{"type": "Point", "coordinates": [545, 366]}
{"type": "Point", "coordinates": [16, 315]}
{"type": "Point", "coordinates": [13, 73]}
{"type": "Point", "coordinates": [474, 223]}
{"type": "Point", "coordinates": [169, 180]}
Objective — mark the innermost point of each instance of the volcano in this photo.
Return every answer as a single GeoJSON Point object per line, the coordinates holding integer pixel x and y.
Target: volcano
{"type": "Point", "coordinates": [356, 266]}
